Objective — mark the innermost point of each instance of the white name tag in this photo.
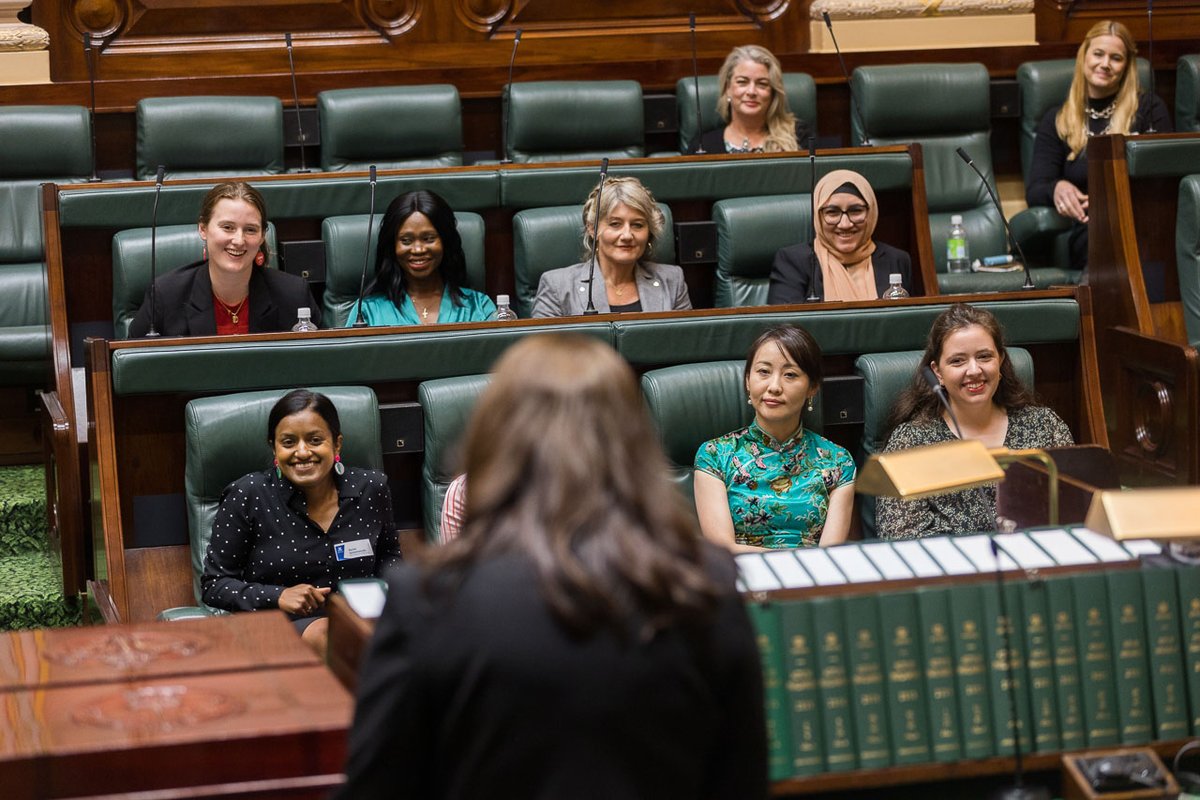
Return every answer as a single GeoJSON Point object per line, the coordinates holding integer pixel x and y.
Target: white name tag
{"type": "Point", "coordinates": [356, 549]}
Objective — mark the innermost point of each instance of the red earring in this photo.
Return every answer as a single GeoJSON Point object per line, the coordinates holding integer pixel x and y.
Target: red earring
{"type": "Point", "coordinates": [204, 253]}
{"type": "Point", "coordinates": [260, 259]}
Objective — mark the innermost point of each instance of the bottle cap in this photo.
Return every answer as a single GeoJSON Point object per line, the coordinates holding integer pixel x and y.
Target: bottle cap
{"type": "Point", "coordinates": [956, 219]}
{"type": "Point", "coordinates": [303, 313]}
{"type": "Point", "coordinates": [894, 277]}
{"type": "Point", "coordinates": [501, 299]}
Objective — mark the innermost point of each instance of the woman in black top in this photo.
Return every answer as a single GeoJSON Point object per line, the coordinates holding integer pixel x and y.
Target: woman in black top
{"type": "Point", "coordinates": [580, 639]}
{"type": "Point", "coordinates": [754, 106]}
{"type": "Point", "coordinates": [1104, 98]}
{"type": "Point", "coordinates": [284, 537]}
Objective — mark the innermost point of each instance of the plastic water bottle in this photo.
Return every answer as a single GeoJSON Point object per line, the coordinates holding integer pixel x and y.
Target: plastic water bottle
{"type": "Point", "coordinates": [303, 321]}
{"type": "Point", "coordinates": [895, 290]}
{"type": "Point", "coordinates": [958, 253]}
{"type": "Point", "coordinates": [504, 312]}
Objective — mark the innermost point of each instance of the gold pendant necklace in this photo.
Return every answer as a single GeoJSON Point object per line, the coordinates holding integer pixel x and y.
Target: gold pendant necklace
{"type": "Point", "coordinates": [232, 312]}
{"type": "Point", "coordinates": [424, 313]}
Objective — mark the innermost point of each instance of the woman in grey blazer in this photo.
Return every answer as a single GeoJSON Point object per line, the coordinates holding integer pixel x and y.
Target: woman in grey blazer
{"type": "Point", "coordinates": [630, 224]}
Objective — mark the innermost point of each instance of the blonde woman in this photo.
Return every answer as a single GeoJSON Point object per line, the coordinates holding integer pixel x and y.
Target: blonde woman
{"type": "Point", "coordinates": [1104, 98]}
{"type": "Point", "coordinates": [754, 106]}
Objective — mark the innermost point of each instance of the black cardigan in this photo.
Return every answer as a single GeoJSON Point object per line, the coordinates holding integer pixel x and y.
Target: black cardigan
{"type": "Point", "coordinates": [714, 140]}
{"type": "Point", "coordinates": [795, 270]}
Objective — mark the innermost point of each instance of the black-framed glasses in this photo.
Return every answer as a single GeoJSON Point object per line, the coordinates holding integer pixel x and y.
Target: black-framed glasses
{"type": "Point", "coordinates": [832, 215]}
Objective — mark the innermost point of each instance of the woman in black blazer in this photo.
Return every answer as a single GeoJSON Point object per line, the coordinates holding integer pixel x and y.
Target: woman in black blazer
{"type": "Point", "coordinates": [844, 261]}
{"type": "Point", "coordinates": [229, 290]}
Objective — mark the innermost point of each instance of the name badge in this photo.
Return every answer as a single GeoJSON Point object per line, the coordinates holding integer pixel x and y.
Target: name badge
{"type": "Point", "coordinates": [356, 549]}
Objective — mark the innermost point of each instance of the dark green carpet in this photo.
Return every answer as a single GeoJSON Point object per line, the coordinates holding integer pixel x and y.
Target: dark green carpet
{"type": "Point", "coordinates": [30, 574]}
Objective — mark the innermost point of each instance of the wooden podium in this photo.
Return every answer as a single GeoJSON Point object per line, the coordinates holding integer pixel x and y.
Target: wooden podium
{"type": "Point", "coordinates": [227, 706]}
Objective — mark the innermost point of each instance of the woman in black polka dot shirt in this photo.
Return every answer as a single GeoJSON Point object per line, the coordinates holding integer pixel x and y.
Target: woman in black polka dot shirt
{"type": "Point", "coordinates": [283, 538]}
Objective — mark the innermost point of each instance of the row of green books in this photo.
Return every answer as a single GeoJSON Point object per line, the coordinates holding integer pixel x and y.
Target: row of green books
{"type": "Point", "coordinates": [918, 671]}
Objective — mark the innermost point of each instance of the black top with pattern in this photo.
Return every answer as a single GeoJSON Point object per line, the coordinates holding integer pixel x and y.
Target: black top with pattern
{"type": "Point", "coordinates": [263, 541]}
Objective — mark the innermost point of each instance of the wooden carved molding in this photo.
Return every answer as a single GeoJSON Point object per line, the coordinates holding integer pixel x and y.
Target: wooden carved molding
{"type": "Point", "coordinates": [1152, 413]}
{"type": "Point", "coordinates": [763, 9]}
{"type": "Point", "coordinates": [482, 15]}
{"type": "Point", "coordinates": [391, 17]}
{"type": "Point", "coordinates": [892, 9]}
{"type": "Point", "coordinates": [100, 18]}
{"type": "Point", "coordinates": [22, 38]}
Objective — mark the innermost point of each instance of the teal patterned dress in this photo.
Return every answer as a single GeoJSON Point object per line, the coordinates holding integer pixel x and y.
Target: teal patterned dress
{"type": "Point", "coordinates": [778, 491]}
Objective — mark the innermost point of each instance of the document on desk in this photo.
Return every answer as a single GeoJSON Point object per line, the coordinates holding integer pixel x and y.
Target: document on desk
{"type": "Point", "coordinates": [949, 557]}
{"type": "Point", "coordinates": [919, 561]}
{"type": "Point", "coordinates": [1064, 548]}
{"type": "Point", "coordinates": [1022, 549]}
{"type": "Point", "coordinates": [887, 561]}
{"type": "Point", "coordinates": [979, 550]}
{"type": "Point", "coordinates": [1106, 549]}
{"type": "Point", "coordinates": [854, 565]}
{"type": "Point", "coordinates": [820, 566]}
{"type": "Point", "coordinates": [785, 566]}
{"type": "Point", "coordinates": [756, 576]}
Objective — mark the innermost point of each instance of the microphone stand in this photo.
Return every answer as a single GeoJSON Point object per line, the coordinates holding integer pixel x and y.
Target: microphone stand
{"type": "Point", "coordinates": [696, 84]}
{"type": "Point", "coordinates": [504, 132]}
{"type": "Point", "coordinates": [811, 235]}
{"type": "Point", "coordinates": [866, 140]}
{"type": "Point", "coordinates": [1007, 230]}
{"type": "Point", "coordinates": [153, 333]}
{"type": "Point", "coordinates": [296, 98]}
{"type": "Point", "coordinates": [591, 306]}
{"type": "Point", "coordinates": [1150, 31]}
{"type": "Point", "coordinates": [361, 320]}
{"type": "Point", "coordinates": [90, 57]}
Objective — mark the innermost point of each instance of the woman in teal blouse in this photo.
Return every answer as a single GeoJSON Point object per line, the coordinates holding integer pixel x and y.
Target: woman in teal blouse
{"type": "Point", "coordinates": [774, 484]}
{"type": "Point", "coordinates": [420, 268]}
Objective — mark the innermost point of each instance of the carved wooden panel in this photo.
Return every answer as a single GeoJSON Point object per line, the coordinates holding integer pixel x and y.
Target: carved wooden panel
{"type": "Point", "coordinates": [1069, 20]}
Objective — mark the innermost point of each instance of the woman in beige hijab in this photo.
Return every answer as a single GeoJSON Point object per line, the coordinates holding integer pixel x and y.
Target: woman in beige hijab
{"type": "Point", "coordinates": [844, 262]}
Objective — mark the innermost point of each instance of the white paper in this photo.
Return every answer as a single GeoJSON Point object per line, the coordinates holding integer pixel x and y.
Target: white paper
{"type": "Point", "coordinates": [917, 559]}
{"type": "Point", "coordinates": [1022, 549]}
{"type": "Point", "coordinates": [1063, 548]}
{"type": "Point", "coordinates": [791, 575]}
{"type": "Point", "coordinates": [820, 566]}
{"type": "Point", "coordinates": [949, 557]}
{"type": "Point", "coordinates": [757, 576]}
{"type": "Point", "coordinates": [1142, 547]}
{"type": "Point", "coordinates": [853, 564]}
{"type": "Point", "coordinates": [886, 560]}
{"type": "Point", "coordinates": [978, 549]}
{"type": "Point", "coordinates": [366, 598]}
{"type": "Point", "coordinates": [1107, 549]}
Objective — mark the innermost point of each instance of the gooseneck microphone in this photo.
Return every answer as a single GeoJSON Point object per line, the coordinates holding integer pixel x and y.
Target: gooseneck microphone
{"type": "Point", "coordinates": [1007, 230]}
{"type": "Point", "coordinates": [90, 58]}
{"type": "Point", "coordinates": [866, 142]}
{"type": "Point", "coordinates": [287, 37]}
{"type": "Point", "coordinates": [504, 132]}
{"type": "Point", "coordinates": [696, 85]}
{"type": "Point", "coordinates": [152, 332]}
{"type": "Point", "coordinates": [1150, 55]}
{"type": "Point", "coordinates": [811, 235]}
{"type": "Point", "coordinates": [940, 391]}
{"type": "Point", "coordinates": [591, 305]}
{"type": "Point", "coordinates": [361, 320]}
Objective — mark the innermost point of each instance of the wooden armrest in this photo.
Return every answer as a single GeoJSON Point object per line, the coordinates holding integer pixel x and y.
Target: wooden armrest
{"type": "Point", "coordinates": [104, 602]}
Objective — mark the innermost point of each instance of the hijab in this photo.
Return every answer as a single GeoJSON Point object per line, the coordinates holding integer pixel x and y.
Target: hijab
{"type": "Point", "coordinates": [848, 276]}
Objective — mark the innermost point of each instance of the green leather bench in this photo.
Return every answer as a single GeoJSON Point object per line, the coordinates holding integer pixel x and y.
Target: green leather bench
{"type": "Point", "coordinates": [446, 404]}
{"type": "Point", "coordinates": [345, 240]}
{"type": "Point", "coordinates": [392, 127]}
{"type": "Point", "coordinates": [209, 136]}
{"type": "Point", "coordinates": [750, 230]}
{"type": "Point", "coordinates": [1187, 94]}
{"type": "Point", "coordinates": [226, 438]}
{"type": "Point", "coordinates": [800, 88]}
{"type": "Point", "coordinates": [1187, 254]}
{"type": "Point", "coordinates": [574, 120]}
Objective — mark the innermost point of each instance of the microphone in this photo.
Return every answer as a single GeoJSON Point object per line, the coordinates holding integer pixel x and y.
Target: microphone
{"type": "Point", "coordinates": [361, 321]}
{"type": "Point", "coordinates": [696, 83]}
{"type": "Point", "coordinates": [1150, 33]}
{"type": "Point", "coordinates": [591, 306]}
{"type": "Point", "coordinates": [1018, 791]}
{"type": "Point", "coordinates": [504, 132]}
{"type": "Point", "coordinates": [89, 56]}
{"type": "Point", "coordinates": [287, 37]}
{"type": "Point", "coordinates": [940, 391]}
{"type": "Point", "coordinates": [1007, 230]}
{"type": "Point", "coordinates": [158, 182]}
{"type": "Point", "coordinates": [811, 236]}
{"type": "Point", "coordinates": [866, 142]}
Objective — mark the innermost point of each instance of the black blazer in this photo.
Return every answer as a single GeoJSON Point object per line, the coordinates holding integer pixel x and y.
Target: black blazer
{"type": "Point", "coordinates": [714, 140]}
{"type": "Point", "coordinates": [795, 270]}
{"type": "Point", "coordinates": [183, 304]}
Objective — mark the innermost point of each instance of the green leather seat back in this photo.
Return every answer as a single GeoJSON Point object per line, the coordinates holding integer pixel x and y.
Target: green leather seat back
{"type": "Point", "coordinates": [551, 238]}
{"type": "Point", "coordinates": [45, 142]}
{"type": "Point", "coordinates": [1187, 254]}
{"type": "Point", "coordinates": [24, 325]}
{"type": "Point", "coordinates": [801, 96]}
{"type": "Point", "coordinates": [209, 136]}
{"type": "Point", "coordinates": [175, 246]}
{"type": "Point", "coordinates": [345, 241]}
{"type": "Point", "coordinates": [574, 120]}
{"type": "Point", "coordinates": [226, 438]}
{"type": "Point", "coordinates": [692, 403]}
{"type": "Point", "coordinates": [749, 232]}
{"type": "Point", "coordinates": [447, 404]}
{"type": "Point", "coordinates": [896, 107]}
{"type": "Point", "coordinates": [1187, 94]}
{"type": "Point", "coordinates": [392, 127]}
{"type": "Point", "coordinates": [885, 375]}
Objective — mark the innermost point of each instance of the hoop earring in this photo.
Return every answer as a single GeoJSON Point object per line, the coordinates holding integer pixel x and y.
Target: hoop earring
{"type": "Point", "coordinates": [260, 259]}
{"type": "Point", "coordinates": [338, 466]}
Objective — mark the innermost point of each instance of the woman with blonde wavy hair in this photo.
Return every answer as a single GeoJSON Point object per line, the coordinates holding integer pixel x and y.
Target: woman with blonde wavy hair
{"type": "Point", "coordinates": [1104, 98]}
{"type": "Point", "coordinates": [754, 106]}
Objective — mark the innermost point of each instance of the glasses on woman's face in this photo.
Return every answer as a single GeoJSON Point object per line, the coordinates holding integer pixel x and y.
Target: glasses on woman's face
{"type": "Point", "coordinates": [832, 215]}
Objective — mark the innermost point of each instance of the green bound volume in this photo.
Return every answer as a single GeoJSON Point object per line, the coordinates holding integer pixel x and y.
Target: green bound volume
{"type": "Point", "coordinates": [765, 617]}
{"type": "Point", "coordinates": [1131, 671]}
{"type": "Point", "coordinates": [833, 684]}
{"type": "Point", "coordinates": [900, 631]}
{"type": "Point", "coordinates": [1165, 647]}
{"type": "Point", "coordinates": [1066, 662]}
{"type": "Point", "coordinates": [1188, 581]}
{"type": "Point", "coordinates": [1090, 594]}
{"type": "Point", "coordinates": [970, 671]}
{"type": "Point", "coordinates": [999, 656]}
{"type": "Point", "coordinates": [800, 659]}
{"type": "Point", "coordinates": [1039, 664]}
{"type": "Point", "coordinates": [933, 611]}
{"type": "Point", "coordinates": [866, 681]}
